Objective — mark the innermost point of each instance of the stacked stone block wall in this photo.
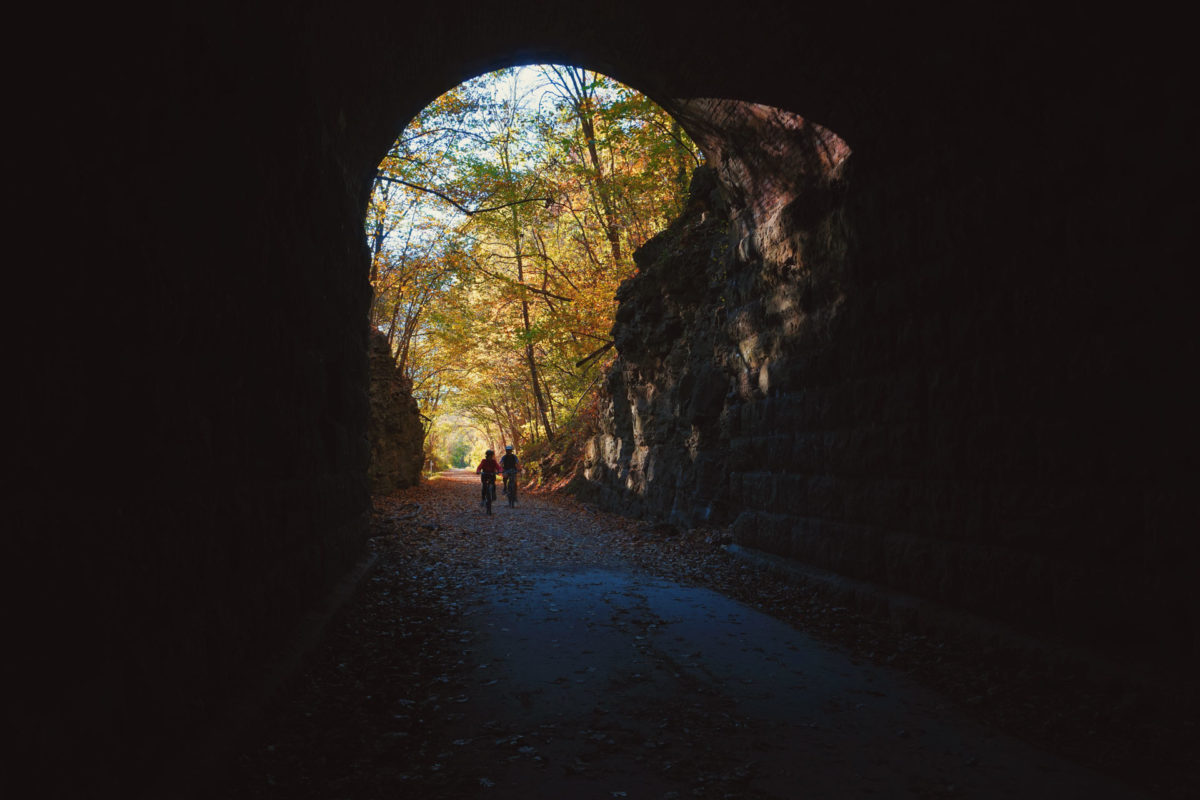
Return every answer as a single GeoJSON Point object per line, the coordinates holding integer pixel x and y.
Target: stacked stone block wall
{"type": "Point", "coordinates": [397, 436]}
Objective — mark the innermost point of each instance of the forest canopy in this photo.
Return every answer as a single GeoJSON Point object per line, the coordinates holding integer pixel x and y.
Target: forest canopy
{"type": "Point", "coordinates": [500, 225]}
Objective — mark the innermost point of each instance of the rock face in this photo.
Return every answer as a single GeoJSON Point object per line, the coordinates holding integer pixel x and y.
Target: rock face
{"type": "Point", "coordinates": [661, 452]}
{"type": "Point", "coordinates": [396, 434]}
{"type": "Point", "coordinates": [788, 365]}
{"type": "Point", "coordinates": [723, 310]}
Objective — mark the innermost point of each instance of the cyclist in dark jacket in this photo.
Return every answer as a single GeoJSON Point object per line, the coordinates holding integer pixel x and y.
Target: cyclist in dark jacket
{"type": "Point", "coordinates": [511, 466]}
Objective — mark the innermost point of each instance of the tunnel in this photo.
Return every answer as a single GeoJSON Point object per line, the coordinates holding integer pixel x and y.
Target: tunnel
{"type": "Point", "coordinates": [984, 397]}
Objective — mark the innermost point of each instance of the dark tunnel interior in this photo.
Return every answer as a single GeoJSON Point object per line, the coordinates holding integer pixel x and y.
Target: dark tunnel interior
{"type": "Point", "coordinates": [976, 340]}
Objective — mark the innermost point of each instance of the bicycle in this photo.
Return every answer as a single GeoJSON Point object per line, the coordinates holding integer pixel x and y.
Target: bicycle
{"type": "Point", "coordinates": [510, 487]}
{"type": "Point", "coordinates": [489, 490]}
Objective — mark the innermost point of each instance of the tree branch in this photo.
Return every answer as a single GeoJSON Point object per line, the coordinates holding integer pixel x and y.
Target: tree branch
{"type": "Point", "coordinates": [595, 354]}
{"type": "Point", "coordinates": [469, 212]}
{"type": "Point", "coordinates": [524, 287]}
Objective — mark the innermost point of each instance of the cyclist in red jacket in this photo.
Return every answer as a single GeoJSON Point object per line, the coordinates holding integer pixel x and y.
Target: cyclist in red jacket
{"type": "Point", "coordinates": [488, 469]}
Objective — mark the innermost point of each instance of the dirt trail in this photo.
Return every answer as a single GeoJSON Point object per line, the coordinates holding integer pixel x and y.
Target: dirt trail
{"type": "Point", "coordinates": [549, 651]}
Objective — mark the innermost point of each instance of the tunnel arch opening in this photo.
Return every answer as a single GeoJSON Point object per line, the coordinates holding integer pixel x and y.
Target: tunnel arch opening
{"type": "Point", "coordinates": [762, 160]}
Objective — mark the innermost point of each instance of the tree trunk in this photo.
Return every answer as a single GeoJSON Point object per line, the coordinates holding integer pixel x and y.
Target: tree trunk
{"type": "Point", "coordinates": [588, 126]}
{"type": "Point", "coordinates": [376, 248]}
{"type": "Point", "coordinates": [534, 378]}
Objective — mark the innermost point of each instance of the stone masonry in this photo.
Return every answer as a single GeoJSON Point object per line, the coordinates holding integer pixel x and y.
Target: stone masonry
{"type": "Point", "coordinates": [396, 434]}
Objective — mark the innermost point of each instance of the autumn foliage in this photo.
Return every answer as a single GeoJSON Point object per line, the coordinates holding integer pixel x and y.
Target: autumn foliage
{"type": "Point", "coordinates": [501, 224]}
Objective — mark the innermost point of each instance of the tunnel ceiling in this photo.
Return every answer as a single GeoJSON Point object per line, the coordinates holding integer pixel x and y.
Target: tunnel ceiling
{"type": "Point", "coordinates": [877, 76]}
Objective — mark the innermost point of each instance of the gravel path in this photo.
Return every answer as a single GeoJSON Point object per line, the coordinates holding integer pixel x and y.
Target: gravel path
{"type": "Point", "coordinates": [552, 651]}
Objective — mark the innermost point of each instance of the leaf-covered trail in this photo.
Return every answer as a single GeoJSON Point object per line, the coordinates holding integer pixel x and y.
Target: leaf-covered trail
{"type": "Point", "coordinates": [549, 651]}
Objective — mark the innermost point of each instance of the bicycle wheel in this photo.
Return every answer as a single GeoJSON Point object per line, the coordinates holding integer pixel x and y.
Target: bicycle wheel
{"type": "Point", "coordinates": [512, 492]}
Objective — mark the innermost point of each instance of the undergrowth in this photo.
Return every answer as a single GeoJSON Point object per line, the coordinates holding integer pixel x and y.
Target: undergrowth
{"type": "Point", "coordinates": [550, 465]}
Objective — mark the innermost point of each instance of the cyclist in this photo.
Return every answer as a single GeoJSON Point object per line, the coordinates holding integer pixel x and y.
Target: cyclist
{"type": "Point", "coordinates": [511, 466]}
{"type": "Point", "coordinates": [488, 469]}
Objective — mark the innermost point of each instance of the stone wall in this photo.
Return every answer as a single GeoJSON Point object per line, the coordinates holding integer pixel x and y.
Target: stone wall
{"type": "Point", "coordinates": [396, 434]}
{"type": "Point", "coordinates": [909, 377]}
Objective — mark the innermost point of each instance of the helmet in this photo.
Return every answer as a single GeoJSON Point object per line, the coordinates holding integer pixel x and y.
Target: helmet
{"type": "Point", "coordinates": [508, 447]}
{"type": "Point", "coordinates": [490, 453]}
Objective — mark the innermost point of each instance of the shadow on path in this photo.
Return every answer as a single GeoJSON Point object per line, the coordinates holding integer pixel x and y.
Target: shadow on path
{"type": "Point", "coordinates": [526, 655]}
